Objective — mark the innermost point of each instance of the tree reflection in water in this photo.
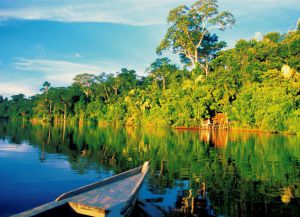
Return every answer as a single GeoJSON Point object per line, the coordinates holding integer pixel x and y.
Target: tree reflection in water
{"type": "Point", "coordinates": [211, 172]}
{"type": "Point", "coordinates": [193, 204]}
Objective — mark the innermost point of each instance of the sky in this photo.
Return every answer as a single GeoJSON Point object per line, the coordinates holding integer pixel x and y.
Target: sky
{"type": "Point", "coordinates": [53, 40]}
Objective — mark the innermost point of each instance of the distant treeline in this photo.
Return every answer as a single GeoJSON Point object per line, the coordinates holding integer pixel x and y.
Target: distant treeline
{"type": "Point", "coordinates": [256, 84]}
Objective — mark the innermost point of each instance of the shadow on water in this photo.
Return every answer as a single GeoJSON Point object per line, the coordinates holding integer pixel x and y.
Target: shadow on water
{"type": "Point", "coordinates": [193, 173]}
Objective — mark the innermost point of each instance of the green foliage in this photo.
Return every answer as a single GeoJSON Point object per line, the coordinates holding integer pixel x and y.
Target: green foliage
{"type": "Point", "coordinates": [259, 83]}
{"type": "Point", "coordinates": [17, 107]}
{"type": "Point", "coordinates": [266, 106]}
{"type": "Point", "coordinates": [256, 83]}
{"type": "Point", "coordinates": [160, 70]}
{"type": "Point", "coordinates": [189, 36]}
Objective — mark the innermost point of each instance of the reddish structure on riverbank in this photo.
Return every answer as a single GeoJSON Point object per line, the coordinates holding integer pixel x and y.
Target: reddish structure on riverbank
{"type": "Point", "coordinates": [219, 121]}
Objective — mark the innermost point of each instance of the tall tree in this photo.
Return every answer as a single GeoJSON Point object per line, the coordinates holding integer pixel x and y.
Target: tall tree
{"type": "Point", "coordinates": [103, 85]}
{"type": "Point", "coordinates": [125, 80]}
{"type": "Point", "coordinates": [85, 82]}
{"type": "Point", "coordinates": [160, 69]}
{"type": "Point", "coordinates": [18, 97]}
{"type": "Point", "coordinates": [64, 99]}
{"type": "Point", "coordinates": [188, 34]}
{"type": "Point", "coordinates": [45, 88]}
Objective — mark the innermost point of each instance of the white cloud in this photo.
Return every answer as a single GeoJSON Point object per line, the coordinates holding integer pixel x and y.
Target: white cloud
{"type": "Point", "coordinates": [12, 88]}
{"type": "Point", "coordinates": [14, 148]}
{"type": "Point", "coordinates": [59, 72]}
{"type": "Point", "coordinates": [132, 12]}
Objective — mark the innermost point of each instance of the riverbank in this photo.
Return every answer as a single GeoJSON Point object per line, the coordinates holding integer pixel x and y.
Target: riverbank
{"type": "Point", "coordinates": [239, 129]}
{"type": "Point", "coordinates": [117, 124]}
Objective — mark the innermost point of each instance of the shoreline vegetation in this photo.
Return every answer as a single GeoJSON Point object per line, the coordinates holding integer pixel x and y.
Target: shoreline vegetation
{"type": "Point", "coordinates": [255, 85]}
{"type": "Point", "coordinates": [116, 125]}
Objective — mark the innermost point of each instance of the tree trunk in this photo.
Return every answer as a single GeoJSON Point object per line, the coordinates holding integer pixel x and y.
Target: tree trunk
{"type": "Point", "coordinates": [206, 69]}
{"type": "Point", "coordinates": [106, 93]}
{"type": "Point", "coordinates": [81, 119]}
{"type": "Point", "coordinates": [196, 57]}
{"type": "Point", "coordinates": [63, 134]}
{"type": "Point", "coordinates": [49, 136]}
{"type": "Point", "coordinates": [164, 83]}
{"type": "Point", "coordinates": [115, 90]}
{"type": "Point", "coordinates": [193, 63]}
{"type": "Point", "coordinates": [50, 106]}
{"type": "Point", "coordinates": [65, 113]}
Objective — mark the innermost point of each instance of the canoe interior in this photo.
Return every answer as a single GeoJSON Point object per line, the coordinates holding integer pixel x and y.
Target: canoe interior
{"type": "Point", "coordinates": [61, 211]}
{"type": "Point", "coordinates": [102, 183]}
{"type": "Point", "coordinates": [114, 196]}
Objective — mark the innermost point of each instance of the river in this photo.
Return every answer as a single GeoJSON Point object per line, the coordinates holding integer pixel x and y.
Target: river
{"type": "Point", "coordinates": [212, 173]}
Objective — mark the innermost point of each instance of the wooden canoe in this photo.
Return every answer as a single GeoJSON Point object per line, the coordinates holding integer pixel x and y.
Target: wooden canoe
{"type": "Point", "coordinates": [114, 196]}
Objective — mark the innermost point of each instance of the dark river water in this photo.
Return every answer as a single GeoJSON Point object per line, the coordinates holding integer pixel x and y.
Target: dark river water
{"type": "Point", "coordinates": [193, 173]}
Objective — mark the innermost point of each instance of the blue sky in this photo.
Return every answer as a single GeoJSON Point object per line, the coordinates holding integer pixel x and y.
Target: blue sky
{"type": "Point", "coordinates": [54, 40]}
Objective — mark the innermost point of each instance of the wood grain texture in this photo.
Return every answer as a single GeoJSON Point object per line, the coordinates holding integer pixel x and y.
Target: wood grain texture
{"type": "Point", "coordinates": [114, 196]}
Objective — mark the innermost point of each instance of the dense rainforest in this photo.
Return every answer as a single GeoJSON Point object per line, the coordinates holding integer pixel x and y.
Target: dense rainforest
{"type": "Point", "coordinates": [256, 84]}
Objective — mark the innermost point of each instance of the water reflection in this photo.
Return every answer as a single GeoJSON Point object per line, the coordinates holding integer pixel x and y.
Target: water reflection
{"type": "Point", "coordinates": [192, 172]}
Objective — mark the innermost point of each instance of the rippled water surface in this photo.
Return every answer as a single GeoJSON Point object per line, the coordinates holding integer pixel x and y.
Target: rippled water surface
{"type": "Point", "coordinates": [193, 173]}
